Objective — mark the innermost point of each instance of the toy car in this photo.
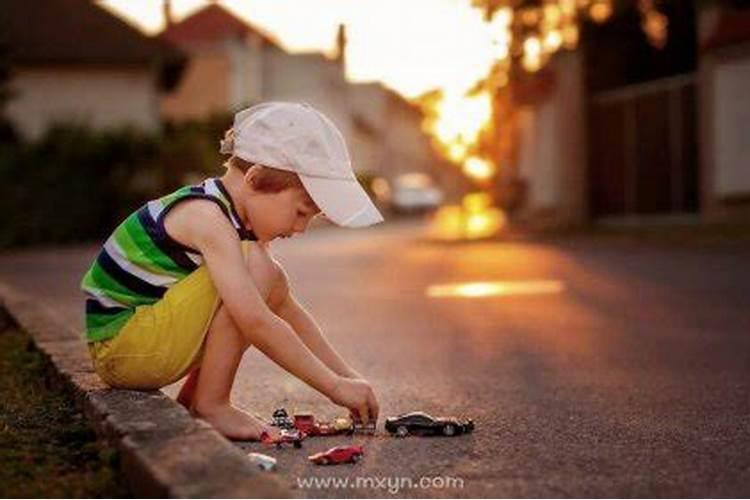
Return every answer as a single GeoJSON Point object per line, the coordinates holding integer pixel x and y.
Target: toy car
{"type": "Point", "coordinates": [423, 424]}
{"type": "Point", "coordinates": [306, 423]}
{"type": "Point", "coordinates": [281, 419]}
{"type": "Point", "coordinates": [338, 455]}
{"type": "Point", "coordinates": [341, 425]}
{"type": "Point", "coordinates": [294, 437]}
{"type": "Point", "coordinates": [264, 462]}
{"type": "Point", "coordinates": [360, 428]}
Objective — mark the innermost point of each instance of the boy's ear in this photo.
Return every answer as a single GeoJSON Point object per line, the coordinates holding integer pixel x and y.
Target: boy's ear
{"type": "Point", "coordinates": [250, 175]}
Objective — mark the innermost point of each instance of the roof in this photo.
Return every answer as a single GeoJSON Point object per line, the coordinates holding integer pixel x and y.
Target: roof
{"type": "Point", "coordinates": [407, 106]}
{"type": "Point", "coordinates": [733, 27]}
{"type": "Point", "coordinates": [80, 32]}
{"type": "Point", "coordinates": [210, 24]}
{"type": "Point", "coordinates": [392, 101]}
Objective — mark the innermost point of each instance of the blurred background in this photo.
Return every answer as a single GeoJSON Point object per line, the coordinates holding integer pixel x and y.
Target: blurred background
{"type": "Point", "coordinates": [480, 116]}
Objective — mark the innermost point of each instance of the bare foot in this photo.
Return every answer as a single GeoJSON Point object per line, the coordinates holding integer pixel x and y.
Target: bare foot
{"type": "Point", "coordinates": [234, 423]}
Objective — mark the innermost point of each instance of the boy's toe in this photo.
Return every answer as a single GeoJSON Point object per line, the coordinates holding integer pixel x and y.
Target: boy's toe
{"type": "Point", "coordinates": [273, 432]}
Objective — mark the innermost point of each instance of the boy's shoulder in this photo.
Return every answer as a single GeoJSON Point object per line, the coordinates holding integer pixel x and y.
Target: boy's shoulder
{"type": "Point", "coordinates": [197, 211]}
{"type": "Point", "coordinates": [186, 222]}
{"type": "Point", "coordinates": [190, 219]}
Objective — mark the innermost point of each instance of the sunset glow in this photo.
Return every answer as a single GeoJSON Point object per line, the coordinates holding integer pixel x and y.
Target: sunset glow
{"type": "Point", "coordinates": [459, 118]}
{"type": "Point", "coordinates": [474, 219]}
{"type": "Point", "coordinates": [448, 56]}
{"type": "Point", "coordinates": [412, 47]}
{"type": "Point", "coordinates": [478, 168]}
{"type": "Point", "coordinates": [495, 289]}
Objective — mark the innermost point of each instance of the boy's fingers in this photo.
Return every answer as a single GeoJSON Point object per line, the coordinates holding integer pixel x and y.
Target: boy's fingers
{"type": "Point", "coordinates": [374, 408]}
{"type": "Point", "coordinates": [364, 414]}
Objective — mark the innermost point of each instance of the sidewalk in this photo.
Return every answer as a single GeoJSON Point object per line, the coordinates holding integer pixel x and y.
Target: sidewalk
{"type": "Point", "coordinates": [165, 452]}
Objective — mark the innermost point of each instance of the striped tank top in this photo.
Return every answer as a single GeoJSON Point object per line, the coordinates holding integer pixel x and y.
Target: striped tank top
{"type": "Point", "coordinates": [140, 261]}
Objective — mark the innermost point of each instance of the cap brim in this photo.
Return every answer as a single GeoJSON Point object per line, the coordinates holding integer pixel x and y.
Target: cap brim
{"type": "Point", "coordinates": [344, 202]}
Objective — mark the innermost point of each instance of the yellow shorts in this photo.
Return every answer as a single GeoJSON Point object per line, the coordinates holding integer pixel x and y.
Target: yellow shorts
{"type": "Point", "coordinates": [161, 342]}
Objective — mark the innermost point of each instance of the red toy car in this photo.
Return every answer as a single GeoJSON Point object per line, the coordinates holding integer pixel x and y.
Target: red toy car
{"type": "Point", "coordinates": [294, 436]}
{"type": "Point", "coordinates": [306, 423]}
{"type": "Point", "coordinates": [338, 455]}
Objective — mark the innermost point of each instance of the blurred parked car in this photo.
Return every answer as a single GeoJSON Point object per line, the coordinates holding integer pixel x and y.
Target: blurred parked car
{"type": "Point", "coordinates": [413, 192]}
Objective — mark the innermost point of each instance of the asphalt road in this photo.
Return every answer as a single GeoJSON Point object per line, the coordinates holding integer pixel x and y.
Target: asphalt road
{"type": "Point", "coordinates": [629, 377]}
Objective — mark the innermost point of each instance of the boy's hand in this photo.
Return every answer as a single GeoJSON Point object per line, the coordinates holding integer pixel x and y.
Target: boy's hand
{"type": "Point", "coordinates": [358, 396]}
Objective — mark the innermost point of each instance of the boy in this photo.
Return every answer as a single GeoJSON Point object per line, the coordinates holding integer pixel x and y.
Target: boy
{"type": "Point", "coordinates": [187, 283]}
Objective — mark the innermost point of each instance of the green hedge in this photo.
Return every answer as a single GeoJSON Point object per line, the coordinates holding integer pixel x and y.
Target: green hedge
{"type": "Point", "coordinates": [76, 184]}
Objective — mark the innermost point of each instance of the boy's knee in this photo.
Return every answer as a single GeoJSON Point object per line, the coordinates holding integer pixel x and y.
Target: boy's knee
{"type": "Point", "coordinates": [280, 288]}
{"type": "Point", "coordinates": [267, 273]}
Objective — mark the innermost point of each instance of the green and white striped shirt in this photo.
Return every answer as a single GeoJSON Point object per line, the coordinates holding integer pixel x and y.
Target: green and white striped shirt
{"type": "Point", "coordinates": [140, 261]}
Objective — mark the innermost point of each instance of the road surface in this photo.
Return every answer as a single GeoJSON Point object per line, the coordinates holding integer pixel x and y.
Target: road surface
{"type": "Point", "coordinates": [625, 372]}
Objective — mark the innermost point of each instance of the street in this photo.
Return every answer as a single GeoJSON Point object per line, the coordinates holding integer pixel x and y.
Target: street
{"type": "Point", "coordinates": [626, 373]}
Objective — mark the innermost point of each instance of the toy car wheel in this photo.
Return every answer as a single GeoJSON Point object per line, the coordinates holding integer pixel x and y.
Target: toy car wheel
{"type": "Point", "coordinates": [356, 457]}
{"type": "Point", "coordinates": [298, 444]}
{"type": "Point", "coordinates": [449, 430]}
{"type": "Point", "coordinates": [402, 431]}
{"type": "Point", "coordinates": [325, 461]}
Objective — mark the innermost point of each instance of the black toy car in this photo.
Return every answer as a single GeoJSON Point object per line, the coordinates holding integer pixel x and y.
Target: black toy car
{"type": "Point", "coordinates": [421, 423]}
{"type": "Point", "coordinates": [282, 420]}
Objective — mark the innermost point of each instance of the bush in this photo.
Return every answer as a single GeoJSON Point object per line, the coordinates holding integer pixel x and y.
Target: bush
{"type": "Point", "coordinates": [76, 184]}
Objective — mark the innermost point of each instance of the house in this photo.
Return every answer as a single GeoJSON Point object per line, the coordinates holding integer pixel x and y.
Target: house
{"type": "Point", "coordinates": [234, 64]}
{"type": "Point", "coordinates": [387, 139]}
{"type": "Point", "coordinates": [621, 131]}
{"type": "Point", "coordinates": [72, 61]}
{"type": "Point", "coordinates": [311, 78]}
{"type": "Point", "coordinates": [225, 67]}
{"type": "Point", "coordinates": [724, 105]}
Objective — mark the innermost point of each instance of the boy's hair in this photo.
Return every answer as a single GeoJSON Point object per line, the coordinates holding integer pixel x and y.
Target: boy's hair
{"type": "Point", "coordinates": [268, 179]}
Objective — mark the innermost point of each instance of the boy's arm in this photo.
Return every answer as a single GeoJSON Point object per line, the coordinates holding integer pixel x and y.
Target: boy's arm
{"type": "Point", "coordinates": [216, 239]}
{"type": "Point", "coordinates": [304, 324]}
{"type": "Point", "coordinates": [207, 229]}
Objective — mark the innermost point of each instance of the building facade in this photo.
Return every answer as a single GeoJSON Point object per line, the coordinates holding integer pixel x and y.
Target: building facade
{"type": "Point", "coordinates": [630, 133]}
{"type": "Point", "coordinates": [74, 62]}
{"type": "Point", "coordinates": [234, 64]}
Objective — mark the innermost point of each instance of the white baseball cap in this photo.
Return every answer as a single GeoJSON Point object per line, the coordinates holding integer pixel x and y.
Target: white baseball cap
{"type": "Point", "coordinates": [298, 138]}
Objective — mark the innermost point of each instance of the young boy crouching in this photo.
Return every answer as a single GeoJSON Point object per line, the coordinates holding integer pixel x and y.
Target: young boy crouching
{"type": "Point", "coordinates": [187, 283]}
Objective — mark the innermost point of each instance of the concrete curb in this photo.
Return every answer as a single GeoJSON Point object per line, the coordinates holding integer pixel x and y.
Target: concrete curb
{"type": "Point", "coordinates": [164, 451]}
